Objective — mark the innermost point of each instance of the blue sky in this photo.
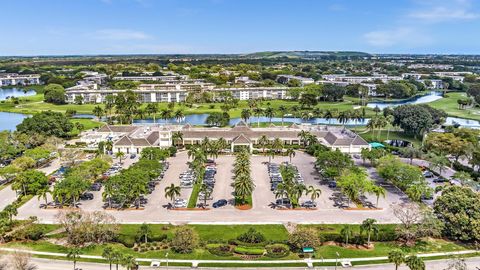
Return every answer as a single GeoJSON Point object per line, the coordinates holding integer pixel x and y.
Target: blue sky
{"type": "Point", "coordinates": [52, 27]}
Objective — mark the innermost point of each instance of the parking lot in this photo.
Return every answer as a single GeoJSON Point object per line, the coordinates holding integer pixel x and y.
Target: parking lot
{"type": "Point", "coordinates": [264, 211]}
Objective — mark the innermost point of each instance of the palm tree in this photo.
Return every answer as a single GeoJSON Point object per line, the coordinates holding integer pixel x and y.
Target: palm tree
{"type": "Point", "coordinates": [314, 193]}
{"type": "Point", "coordinates": [152, 110]}
{"type": "Point", "coordinates": [263, 141]}
{"type": "Point", "coordinates": [120, 155]}
{"type": "Point", "coordinates": [396, 257]}
{"type": "Point", "coordinates": [294, 109]}
{"type": "Point", "coordinates": [439, 162]}
{"type": "Point", "coordinates": [144, 231]}
{"type": "Point", "coordinates": [346, 232]}
{"type": "Point", "coordinates": [343, 117]}
{"type": "Point", "coordinates": [303, 135]}
{"type": "Point", "coordinates": [179, 115]}
{"type": "Point", "coordinates": [177, 136]}
{"type": "Point", "coordinates": [109, 145]}
{"type": "Point", "coordinates": [277, 145]}
{"type": "Point", "coordinates": [258, 112]}
{"type": "Point", "coordinates": [129, 262]}
{"type": "Point", "coordinates": [328, 115]}
{"type": "Point", "coordinates": [270, 113]}
{"type": "Point", "coordinates": [136, 190]}
{"type": "Point", "coordinates": [290, 154]}
{"type": "Point", "coordinates": [379, 192]}
{"type": "Point", "coordinates": [282, 110]}
{"type": "Point", "coordinates": [42, 193]}
{"type": "Point", "coordinates": [370, 227]}
{"type": "Point", "coordinates": [74, 254]}
{"type": "Point", "coordinates": [166, 114]}
{"type": "Point", "coordinates": [411, 152]}
{"type": "Point", "coordinates": [108, 254]}
{"type": "Point", "coordinates": [245, 114]}
{"type": "Point", "coordinates": [206, 193]}
{"type": "Point", "coordinates": [98, 111]}
{"type": "Point", "coordinates": [415, 263]}
{"type": "Point", "coordinates": [11, 210]}
{"type": "Point", "coordinates": [172, 192]}
{"type": "Point", "coordinates": [390, 119]}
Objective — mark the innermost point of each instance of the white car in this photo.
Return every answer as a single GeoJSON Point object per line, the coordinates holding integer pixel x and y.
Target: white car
{"type": "Point", "coordinates": [180, 203]}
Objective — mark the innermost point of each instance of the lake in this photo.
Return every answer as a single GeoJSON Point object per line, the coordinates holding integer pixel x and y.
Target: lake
{"type": "Point", "coordinates": [15, 92]}
{"type": "Point", "coordinates": [430, 97]}
{"type": "Point", "coordinates": [9, 121]}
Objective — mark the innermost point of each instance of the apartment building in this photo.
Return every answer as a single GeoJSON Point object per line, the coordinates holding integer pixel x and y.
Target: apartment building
{"type": "Point", "coordinates": [284, 79]}
{"type": "Point", "coordinates": [247, 93]}
{"type": "Point", "coordinates": [18, 79]}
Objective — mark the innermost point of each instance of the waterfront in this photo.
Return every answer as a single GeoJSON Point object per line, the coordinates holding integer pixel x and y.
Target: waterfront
{"type": "Point", "coordinates": [430, 97]}
{"type": "Point", "coordinates": [6, 93]}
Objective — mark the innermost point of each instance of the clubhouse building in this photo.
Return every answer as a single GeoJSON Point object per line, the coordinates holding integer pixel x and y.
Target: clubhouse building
{"type": "Point", "coordinates": [132, 139]}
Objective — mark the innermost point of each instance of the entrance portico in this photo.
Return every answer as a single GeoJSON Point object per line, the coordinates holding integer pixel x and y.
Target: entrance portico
{"type": "Point", "coordinates": [241, 140]}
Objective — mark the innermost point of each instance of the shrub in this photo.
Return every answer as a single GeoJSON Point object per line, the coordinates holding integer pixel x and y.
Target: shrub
{"type": "Point", "coordinates": [277, 250]}
{"type": "Point", "coordinates": [185, 240]}
{"type": "Point", "coordinates": [220, 249]}
{"type": "Point", "coordinates": [249, 250]}
{"type": "Point", "coordinates": [251, 236]}
{"type": "Point", "coordinates": [304, 237]}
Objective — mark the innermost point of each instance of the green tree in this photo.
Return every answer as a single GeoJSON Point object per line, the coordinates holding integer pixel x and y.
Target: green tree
{"type": "Point", "coordinates": [369, 226]}
{"type": "Point", "coordinates": [120, 155]}
{"type": "Point", "coordinates": [129, 262]}
{"type": "Point", "coordinates": [290, 154]}
{"type": "Point", "coordinates": [346, 232]}
{"type": "Point", "coordinates": [396, 257]}
{"type": "Point", "coordinates": [415, 263]}
{"type": "Point", "coordinates": [184, 240]}
{"type": "Point", "coordinates": [108, 254]}
{"type": "Point", "coordinates": [46, 123]}
{"type": "Point", "coordinates": [172, 192]}
{"type": "Point", "coordinates": [54, 93]}
{"type": "Point", "coordinates": [144, 232]}
{"type": "Point", "coordinates": [73, 254]}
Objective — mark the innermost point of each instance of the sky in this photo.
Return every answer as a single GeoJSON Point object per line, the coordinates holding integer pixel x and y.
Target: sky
{"type": "Point", "coordinates": [80, 27]}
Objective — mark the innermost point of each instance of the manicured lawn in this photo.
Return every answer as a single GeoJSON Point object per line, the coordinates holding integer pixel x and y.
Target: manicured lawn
{"type": "Point", "coordinates": [87, 124]}
{"type": "Point", "coordinates": [450, 106]}
{"type": "Point", "coordinates": [192, 201]}
{"type": "Point", "coordinates": [369, 136]}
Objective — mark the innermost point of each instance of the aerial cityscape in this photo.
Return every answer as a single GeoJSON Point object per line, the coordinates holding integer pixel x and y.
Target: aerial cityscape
{"type": "Point", "coordinates": [225, 134]}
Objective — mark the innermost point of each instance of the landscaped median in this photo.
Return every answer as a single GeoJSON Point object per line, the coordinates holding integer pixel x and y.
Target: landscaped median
{"type": "Point", "coordinates": [246, 263]}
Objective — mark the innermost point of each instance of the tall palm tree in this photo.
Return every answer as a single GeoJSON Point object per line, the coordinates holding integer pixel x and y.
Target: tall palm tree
{"type": "Point", "coordinates": [303, 136]}
{"type": "Point", "coordinates": [246, 114]}
{"type": "Point", "coordinates": [120, 155]}
{"type": "Point", "coordinates": [439, 162]}
{"type": "Point", "coordinates": [396, 257]}
{"type": "Point", "coordinates": [343, 117]}
{"type": "Point", "coordinates": [172, 192]}
{"type": "Point", "coordinates": [74, 254]}
{"type": "Point", "coordinates": [166, 114]}
{"type": "Point", "coordinates": [43, 193]}
{"type": "Point", "coordinates": [98, 111]}
{"type": "Point", "coordinates": [346, 232]}
{"type": "Point", "coordinates": [314, 193]}
{"type": "Point", "coordinates": [176, 137]}
{"type": "Point", "coordinates": [152, 110]}
{"type": "Point", "coordinates": [411, 152]}
{"type": "Point", "coordinates": [263, 142]}
{"type": "Point", "coordinates": [11, 210]}
{"type": "Point", "coordinates": [179, 115]}
{"type": "Point", "coordinates": [108, 254]}
{"type": "Point", "coordinates": [369, 226]}
{"type": "Point", "coordinates": [282, 110]}
{"type": "Point", "coordinates": [270, 113]}
{"type": "Point", "coordinates": [277, 145]}
{"type": "Point", "coordinates": [379, 192]}
{"type": "Point", "coordinates": [294, 109]}
{"type": "Point", "coordinates": [328, 115]}
{"type": "Point", "coordinates": [258, 112]}
{"type": "Point", "coordinates": [206, 193]}
{"type": "Point", "coordinates": [129, 262]}
{"type": "Point", "coordinates": [290, 154]}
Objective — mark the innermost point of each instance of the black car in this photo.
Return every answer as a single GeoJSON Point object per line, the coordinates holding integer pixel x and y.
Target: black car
{"type": "Point", "coordinates": [96, 187]}
{"type": "Point", "coordinates": [220, 203]}
{"type": "Point", "coordinates": [332, 184]}
{"type": "Point", "coordinates": [86, 196]}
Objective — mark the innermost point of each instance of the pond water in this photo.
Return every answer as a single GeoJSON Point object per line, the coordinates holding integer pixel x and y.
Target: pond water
{"type": "Point", "coordinates": [6, 93]}
{"type": "Point", "coordinates": [462, 122]}
{"type": "Point", "coordinates": [432, 96]}
{"type": "Point", "coordinates": [200, 119]}
{"type": "Point", "coordinates": [9, 121]}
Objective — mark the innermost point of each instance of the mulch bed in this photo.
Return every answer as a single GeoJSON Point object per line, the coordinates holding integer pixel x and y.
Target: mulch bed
{"type": "Point", "coordinates": [243, 207]}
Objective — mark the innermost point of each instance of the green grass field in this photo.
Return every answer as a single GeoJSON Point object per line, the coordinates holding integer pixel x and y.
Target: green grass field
{"type": "Point", "coordinates": [450, 106]}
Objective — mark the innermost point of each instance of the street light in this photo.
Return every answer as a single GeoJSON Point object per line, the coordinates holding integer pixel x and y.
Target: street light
{"type": "Point", "coordinates": [166, 257]}
{"type": "Point", "coordinates": [336, 260]}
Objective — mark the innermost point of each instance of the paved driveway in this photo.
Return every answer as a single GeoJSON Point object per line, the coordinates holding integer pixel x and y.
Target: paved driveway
{"type": "Point", "coordinates": [223, 181]}
{"type": "Point", "coordinates": [7, 196]}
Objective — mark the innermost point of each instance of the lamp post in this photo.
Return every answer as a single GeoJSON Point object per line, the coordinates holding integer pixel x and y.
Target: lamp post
{"type": "Point", "coordinates": [166, 257]}
{"type": "Point", "coordinates": [336, 260]}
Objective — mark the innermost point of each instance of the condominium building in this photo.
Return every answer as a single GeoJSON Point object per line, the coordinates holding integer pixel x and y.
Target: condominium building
{"type": "Point", "coordinates": [247, 93]}
{"type": "Point", "coordinates": [287, 78]}
{"type": "Point", "coordinates": [163, 78]}
{"type": "Point", "coordinates": [18, 79]}
{"type": "Point", "coordinates": [361, 79]}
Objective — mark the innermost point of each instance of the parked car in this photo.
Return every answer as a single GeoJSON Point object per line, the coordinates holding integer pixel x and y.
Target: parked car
{"type": "Point", "coordinates": [428, 174]}
{"type": "Point", "coordinates": [96, 187]}
{"type": "Point", "coordinates": [332, 184]}
{"type": "Point", "coordinates": [132, 156]}
{"type": "Point", "coordinates": [440, 180]}
{"type": "Point", "coordinates": [180, 203]}
{"type": "Point", "coordinates": [309, 204]}
{"type": "Point", "coordinates": [283, 202]}
{"type": "Point", "coordinates": [220, 203]}
{"type": "Point", "coordinates": [86, 196]}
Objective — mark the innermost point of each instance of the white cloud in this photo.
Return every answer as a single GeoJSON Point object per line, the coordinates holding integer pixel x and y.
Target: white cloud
{"type": "Point", "coordinates": [435, 11]}
{"type": "Point", "coordinates": [120, 34]}
{"type": "Point", "coordinates": [391, 37]}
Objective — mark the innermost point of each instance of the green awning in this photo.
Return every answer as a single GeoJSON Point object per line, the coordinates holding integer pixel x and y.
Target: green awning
{"type": "Point", "coordinates": [376, 145]}
{"type": "Point", "coordinates": [307, 250]}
